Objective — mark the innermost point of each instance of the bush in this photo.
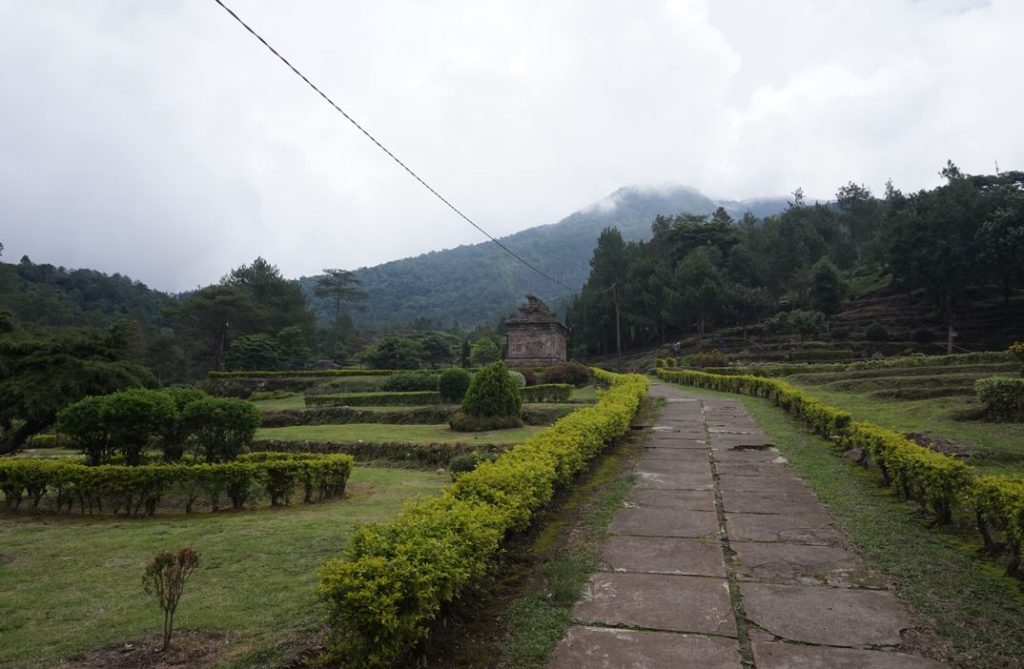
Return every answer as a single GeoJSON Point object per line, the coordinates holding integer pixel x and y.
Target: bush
{"type": "Point", "coordinates": [82, 422]}
{"type": "Point", "coordinates": [223, 428]}
{"type": "Point", "coordinates": [467, 462]}
{"type": "Point", "coordinates": [492, 393]}
{"type": "Point", "coordinates": [413, 398]}
{"type": "Point", "coordinates": [517, 378]}
{"type": "Point", "coordinates": [164, 579]}
{"type": "Point", "coordinates": [43, 441]}
{"type": "Point", "coordinates": [713, 358]}
{"type": "Point", "coordinates": [452, 384]}
{"type": "Point", "coordinates": [876, 332]}
{"type": "Point", "coordinates": [547, 392]}
{"type": "Point", "coordinates": [567, 372]}
{"type": "Point", "coordinates": [922, 336]}
{"type": "Point", "coordinates": [938, 482]}
{"type": "Point", "coordinates": [815, 355]}
{"type": "Point", "coordinates": [1003, 398]}
{"type": "Point", "coordinates": [530, 377]}
{"type": "Point", "coordinates": [396, 576]}
{"type": "Point", "coordinates": [659, 362]}
{"type": "Point", "coordinates": [138, 490]}
{"type": "Point", "coordinates": [408, 381]}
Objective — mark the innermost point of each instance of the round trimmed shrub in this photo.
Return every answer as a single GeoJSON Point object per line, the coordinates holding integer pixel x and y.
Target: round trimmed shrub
{"type": "Point", "coordinates": [876, 332]}
{"type": "Point", "coordinates": [518, 378]}
{"type": "Point", "coordinates": [452, 384]}
{"type": "Point", "coordinates": [567, 372]}
{"type": "Point", "coordinates": [410, 381]}
{"type": "Point", "coordinates": [922, 336]}
{"type": "Point", "coordinates": [492, 392]}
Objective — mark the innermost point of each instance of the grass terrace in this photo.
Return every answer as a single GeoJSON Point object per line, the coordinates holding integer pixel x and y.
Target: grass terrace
{"type": "Point", "coordinates": [388, 433]}
{"type": "Point", "coordinates": [72, 584]}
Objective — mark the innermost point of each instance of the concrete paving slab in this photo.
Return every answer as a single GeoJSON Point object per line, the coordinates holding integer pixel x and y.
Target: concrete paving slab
{"type": "Point", "coordinates": [833, 616]}
{"type": "Point", "coordinates": [695, 500]}
{"type": "Point", "coordinates": [777, 481]}
{"type": "Point", "coordinates": [752, 469]}
{"type": "Point", "coordinates": [800, 564]}
{"type": "Point", "coordinates": [657, 602]}
{"type": "Point", "coordinates": [678, 466]}
{"type": "Point", "coordinates": [606, 648]}
{"type": "Point", "coordinates": [761, 502]}
{"type": "Point", "coordinates": [660, 453]}
{"type": "Point", "coordinates": [768, 655]}
{"type": "Point", "coordinates": [733, 455]}
{"type": "Point", "coordinates": [814, 528]}
{"type": "Point", "coordinates": [648, 481]}
{"type": "Point", "coordinates": [651, 521]}
{"type": "Point", "coordinates": [679, 441]}
{"type": "Point", "coordinates": [662, 555]}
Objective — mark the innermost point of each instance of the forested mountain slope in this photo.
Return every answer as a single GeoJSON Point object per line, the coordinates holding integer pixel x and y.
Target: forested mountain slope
{"type": "Point", "coordinates": [481, 282]}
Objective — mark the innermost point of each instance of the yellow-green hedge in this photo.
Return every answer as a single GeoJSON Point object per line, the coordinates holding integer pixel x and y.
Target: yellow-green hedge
{"type": "Point", "coordinates": [134, 491]}
{"type": "Point", "coordinates": [936, 481]}
{"type": "Point", "coordinates": [396, 576]}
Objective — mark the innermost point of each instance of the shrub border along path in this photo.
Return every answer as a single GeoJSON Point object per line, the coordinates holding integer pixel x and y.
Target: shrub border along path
{"type": "Point", "coordinates": [939, 483]}
{"type": "Point", "coordinates": [396, 576]}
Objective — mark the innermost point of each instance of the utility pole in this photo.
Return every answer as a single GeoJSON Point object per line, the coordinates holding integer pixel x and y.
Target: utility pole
{"type": "Point", "coordinates": [618, 328]}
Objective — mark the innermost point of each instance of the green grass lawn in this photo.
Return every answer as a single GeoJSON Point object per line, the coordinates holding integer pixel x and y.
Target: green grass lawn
{"type": "Point", "coordinates": [72, 584]}
{"type": "Point", "coordinates": [384, 432]}
{"type": "Point", "coordinates": [296, 401]}
{"type": "Point", "coordinates": [584, 394]}
{"type": "Point", "coordinates": [977, 613]}
{"type": "Point", "coordinates": [999, 447]}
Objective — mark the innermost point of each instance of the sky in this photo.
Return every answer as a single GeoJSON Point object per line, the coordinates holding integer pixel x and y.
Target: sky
{"type": "Point", "coordinates": [161, 141]}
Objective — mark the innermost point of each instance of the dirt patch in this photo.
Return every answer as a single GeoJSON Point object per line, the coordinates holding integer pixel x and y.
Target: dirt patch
{"type": "Point", "coordinates": [189, 648]}
{"type": "Point", "coordinates": [941, 445]}
{"type": "Point", "coordinates": [752, 447]}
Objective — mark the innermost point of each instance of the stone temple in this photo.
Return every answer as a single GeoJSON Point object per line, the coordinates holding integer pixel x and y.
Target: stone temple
{"type": "Point", "coordinates": [536, 337]}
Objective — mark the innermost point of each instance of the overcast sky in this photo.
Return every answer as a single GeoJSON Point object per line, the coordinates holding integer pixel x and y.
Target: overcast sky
{"type": "Point", "coordinates": [160, 140]}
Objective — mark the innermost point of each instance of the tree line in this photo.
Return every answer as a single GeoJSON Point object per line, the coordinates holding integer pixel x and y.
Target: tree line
{"type": "Point", "coordinates": [697, 273]}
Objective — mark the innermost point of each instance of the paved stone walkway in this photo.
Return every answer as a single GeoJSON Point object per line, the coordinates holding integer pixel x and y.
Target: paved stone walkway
{"type": "Point", "coordinates": [723, 558]}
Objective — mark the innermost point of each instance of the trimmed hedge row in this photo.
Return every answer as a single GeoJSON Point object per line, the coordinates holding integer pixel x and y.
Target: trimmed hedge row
{"type": "Point", "coordinates": [938, 482]}
{"type": "Point", "coordinates": [396, 576]}
{"type": "Point", "coordinates": [136, 491]}
{"type": "Point", "coordinates": [300, 373]}
{"type": "Point", "coordinates": [412, 398]}
{"type": "Point", "coordinates": [417, 455]}
{"type": "Point", "coordinates": [547, 392]}
{"type": "Point", "coordinates": [343, 415]}
{"type": "Point", "coordinates": [980, 357]}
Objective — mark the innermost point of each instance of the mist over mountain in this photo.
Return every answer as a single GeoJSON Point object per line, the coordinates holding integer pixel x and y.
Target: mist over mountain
{"type": "Point", "coordinates": [478, 282]}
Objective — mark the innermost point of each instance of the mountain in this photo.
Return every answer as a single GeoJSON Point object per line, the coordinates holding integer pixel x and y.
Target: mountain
{"type": "Point", "coordinates": [480, 282]}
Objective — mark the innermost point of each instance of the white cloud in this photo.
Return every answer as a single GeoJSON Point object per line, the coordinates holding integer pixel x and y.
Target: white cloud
{"type": "Point", "coordinates": [160, 140]}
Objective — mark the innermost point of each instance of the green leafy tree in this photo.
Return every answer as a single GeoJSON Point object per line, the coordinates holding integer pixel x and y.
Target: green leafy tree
{"type": "Point", "coordinates": [133, 417]}
{"type": "Point", "coordinates": [340, 288]}
{"type": "Point", "coordinates": [484, 352]}
{"type": "Point", "coordinates": [827, 288]}
{"type": "Point", "coordinates": [394, 353]}
{"type": "Point", "coordinates": [254, 352]}
{"type": "Point", "coordinates": [41, 373]}
{"type": "Point", "coordinates": [293, 347]}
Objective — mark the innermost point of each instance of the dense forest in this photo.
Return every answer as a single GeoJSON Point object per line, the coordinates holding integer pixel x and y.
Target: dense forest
{"type": "Point", "coordinates": [794, 269]}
